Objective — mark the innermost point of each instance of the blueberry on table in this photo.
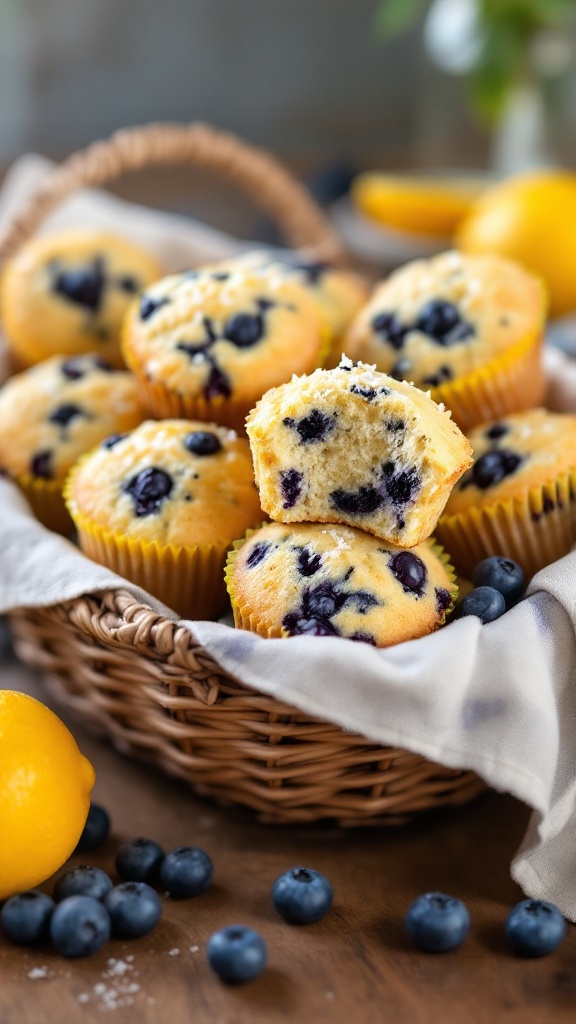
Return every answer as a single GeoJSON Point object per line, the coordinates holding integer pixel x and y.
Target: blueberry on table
{"type": "Point", "coordinates": [237, 954]}
{"type": "Point", "coordinates": [79, 926]}
{"type": "Point", "coordinates": [436, 922]}
{"type": "Point", "coordinates": [25, 918]}
{"type": "Point", "coordinates": [82, 881]}
{"type": "Point", "coordinates": [302, 895]}
{"type": "Point", "coordinates": [484, 602]}
{"type": "Point", "coordinates": [96, 829]}
{"type": "Point", "coordinates": [139, 860]}
{"type": "Point", "coordinates": [504, 575]}
{"type": "Point", "coordinates": [186, 871]}
{"type": "Point", "coordinates": [134, 908]}
{"type": "Point", "coordinates": [535, 928]}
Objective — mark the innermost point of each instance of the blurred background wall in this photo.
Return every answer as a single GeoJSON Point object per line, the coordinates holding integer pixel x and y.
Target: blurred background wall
{"type": "Point", "coordinates": [307, 78]}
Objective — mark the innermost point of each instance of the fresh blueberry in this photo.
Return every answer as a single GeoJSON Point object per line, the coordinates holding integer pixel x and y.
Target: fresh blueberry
{"type": "Point", "coordinates": [79, 926]}
{"type": "Point", "coordinates": [410, 572]}
{"type": "Point", "coordinates": [484, 602]}
{"type": "Point", "coordinates": [291, 486]}
{"type": "Point", "coordinates": [389, 326]}
{"type": "Point", "coordinates": [83, 286]}
{"type": "Point", "coordinates": [313, 427]}
{"type": "Point", "coordinates": [441, 321]}
{"type": "Point", "coordinates": [64, 414]}
{"type": "Point", "coordinates": [41, 465]}
{"type": "Point", "coordinates": [443, 599]}
{"type": "Point", "coordinates": [237, 954]}
{"type": "Point", "coordinates": [313, 270]}
{"type": "Point", "coordinates": [436, 922]}
{"type": "Point", "coordinates": [302, 895]}
{"type": "Point", "coordinates": [535, 928]}
{"type": "Point", "coordinates": [96, 829]}
{"type": "Point", "coordinates": [139, 860]}
{"type": "Point", "coordinates": [112, 440]}
{"type": "Point", "coordinates": [186, 871]}
{"type": "Point", "coordinates": [503, 574]}
{"type": "Point", "coordinates": [129, 284]}
{"type": "Point", "coordinates": [82, 881]}
{"type": "Point", "coordinates": [496, 431]}
{"type": "Point", "coordinates": [134, 908]}
{"type": "Point", "coordinates": [492, 467]}
{"type": "Point", "coordinates": [148, 305]}
{"type": "Point", "coordinates": [148, 489]}
{"type": "Point", "coordinates": [362, 502]}
{"type": "Point", "coordinates": [257, 554]}
{"type": "Point", "coordinates": [400, 484]}
{"type": "Point", "coordinates": [368, 393]}
{"type": "Point", "coordinates": [73, 369]}
{"type": "Point", "coordinates": [308, 564]}
{"type": "Point", "coordinates": [25, 918]}
{"type": "Point", "coordinates": [218, 384]}
{"type": "Point", "coordinates": [202, 442]}
{"type": "Point", "coordinates": [298, 624]}
{"type": "Point", "coordinates": [244, 329]}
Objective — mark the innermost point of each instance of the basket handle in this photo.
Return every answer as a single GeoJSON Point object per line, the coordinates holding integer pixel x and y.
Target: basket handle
{"type": "Point", "coordinates": [263, 179]}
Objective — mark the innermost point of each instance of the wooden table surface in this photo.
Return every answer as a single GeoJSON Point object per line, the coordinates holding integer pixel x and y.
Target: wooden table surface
{"type": "Point", "coordinates": [356, 964]}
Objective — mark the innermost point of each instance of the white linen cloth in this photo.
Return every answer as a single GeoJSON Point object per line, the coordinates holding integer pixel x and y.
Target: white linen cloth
{"type": "Point", "coordinates": [499, 699]}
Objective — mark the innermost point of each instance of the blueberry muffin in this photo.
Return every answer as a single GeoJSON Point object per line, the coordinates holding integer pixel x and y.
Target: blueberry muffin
{"type": "Point", "coordinates": [335, 581]}
{"type": "Point", "coordinates": [53, 413]}
{"type": "Point", "coordinates": [468, 328]}
{"type": "Point", "coordinates": [351, 445]}
{"type": "Point", "coordinates": [518, 499]}
{"type": "Point", "coordinates": [338, 293]}
{"type": "Point", "coordinates": [207, 344]}
{"type": "Point", "coordinates": [67, 293]}
{"type": "Point", "coordinates": [162, 505]}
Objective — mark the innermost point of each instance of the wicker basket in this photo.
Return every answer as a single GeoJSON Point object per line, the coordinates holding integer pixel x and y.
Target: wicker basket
{"type": "Point", "coordinates": [141, 679]}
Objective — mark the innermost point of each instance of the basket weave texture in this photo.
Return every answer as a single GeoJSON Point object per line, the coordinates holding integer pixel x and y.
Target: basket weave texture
{"type": "Point", "coordinates": [141, 679]}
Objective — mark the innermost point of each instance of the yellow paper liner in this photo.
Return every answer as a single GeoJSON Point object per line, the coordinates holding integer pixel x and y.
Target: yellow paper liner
{"type": "Point", "coordinates": [46, 501]}
{"type": "Point", "coordinates": [534, 530]}
{"type": "Point", "coordinates": [250, 622]}
{"type": "Point", "coordinates": [509, 383]}
{"type": "Point", "coordinates": [161, 403]}
{"type": "Point", "coordinates": [189, 579]}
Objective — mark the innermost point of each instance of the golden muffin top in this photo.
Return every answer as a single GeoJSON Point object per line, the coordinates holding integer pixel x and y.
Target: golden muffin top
{"type": "Point", "coordinates": [177, 482]}
{"type": "Point", "coordinates": [322, 580]}
{"type": "Point", "coordinates": [433, 321]}
{"type": "Point", "coordinates": [514, 454]}
{"type": "Point", "coordinates": [67, 293]}
{"type": "Point", "coordinates": [337, 292]}
{"type": "Point", "coordinates": [54, 412]}
{"type": "Point", "coordinates": [228, 334]}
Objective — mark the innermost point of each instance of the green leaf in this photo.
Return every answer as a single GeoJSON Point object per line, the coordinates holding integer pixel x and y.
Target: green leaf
{"type": "Point", "coordinates": [394, 17]}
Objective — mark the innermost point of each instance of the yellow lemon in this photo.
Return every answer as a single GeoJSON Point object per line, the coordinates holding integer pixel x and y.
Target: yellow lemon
{"type": "Point", "coordinates": [532, 219]}
{"type": "Point", "coordinates": [420, 204]}
{"type": "Point", "coordinates": [45, 785]}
